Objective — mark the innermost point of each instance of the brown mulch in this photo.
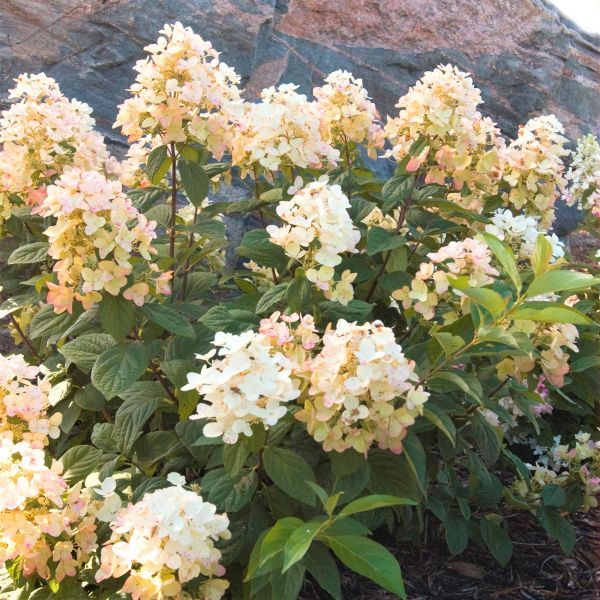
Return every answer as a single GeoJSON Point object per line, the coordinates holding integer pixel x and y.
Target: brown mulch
{"type": "Point", "coordinates": [538, 569]}
{"type": "Point", "coordinates": [583, 246]}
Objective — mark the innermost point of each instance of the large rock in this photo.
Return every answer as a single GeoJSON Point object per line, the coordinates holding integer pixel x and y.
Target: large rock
{"type": "Point", "coordinates": [526, 58]}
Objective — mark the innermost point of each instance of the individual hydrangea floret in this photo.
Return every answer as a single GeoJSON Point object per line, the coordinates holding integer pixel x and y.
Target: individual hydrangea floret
{"type": "Point", "coordinates": [317, 231]}
{"type": "Point", "coordinates": [363, 391]}
{"type": "Point", "coordinates": [163, 541]}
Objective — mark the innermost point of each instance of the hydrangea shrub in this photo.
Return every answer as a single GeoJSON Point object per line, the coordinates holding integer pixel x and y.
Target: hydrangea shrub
{"type": "Point", "coordinates": [188, 418]}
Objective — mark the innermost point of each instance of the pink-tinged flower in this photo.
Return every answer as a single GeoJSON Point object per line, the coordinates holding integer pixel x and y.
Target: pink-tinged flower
{"type": "Point", "coordinates": [137, 293]}
{"type": "Point", "coordinates": [61, 297]}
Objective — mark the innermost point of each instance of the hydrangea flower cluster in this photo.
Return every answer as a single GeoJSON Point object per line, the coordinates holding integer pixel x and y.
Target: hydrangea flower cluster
{"type": "Point", "coordinates": [41, 134]}
{"type": "Point", "coordinates": [553, 342]}
{"type": "Point", "coordinates": [584, 175]}
{"type": "Point", "coordinates": [24, 402]}
{"type": "Point", "coordinates": [41, 521]}
{"type": "Point", "coordinates": [348, 383]}
{"type": "Point", "coordinates": [250, 382]}
{"type": "Point", "coordinates": [520, 232]}
{"type": "Point", "coordinates": [534, 168]}
{"type": "Point", "coordinates": [469, 258]}
{"type": "Point", "coordinates": [97, 231]}
{"type": "Point", "coordinates": [284, 129]}
{"type": "Point", "coordinates": [180, 88]}
{"type": "Point", "coordinates": [354, 380]}
{"type": "Point", "coordinates": [347, 114]}
{"type": "Point", "coordinates": [163, 541]}
{"type": "Point", "coordinates": [317, 230]}
{"type": "Point", "coordinates": [462, 145]}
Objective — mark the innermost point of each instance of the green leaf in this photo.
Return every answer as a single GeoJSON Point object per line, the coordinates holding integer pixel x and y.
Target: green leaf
{"type": "Point", "coordinates": [415, 456]}
{"type": "Point", "coordinates": [158, 164]}
{"type": "Point", "coordinates": [47, 324]}
{"type": "Point", "coordinates": [370, 559]}
{"type": "Point", "coordinates": [560, 281]}
{"type": "Point", "coordinates": [380, 240]}
{"type": "Point", "coordinates": [117, 316]}
{"type": "Point", "coordinates": [456, 533]}
{"type": "Point", "coordinates": [299, 542]}
{"type": "Point", "coordinates": [298, 294]}
{"type": "Point", "coordinates": [234, 456]}
{"type": "Point", "coordinates": [497, 541]}
{"type": "Point", "coordinates": [118, 368]}
{"type": "Point", "coordinates": [213, 229]}
{"type": "Point", "coordinates": [490, 300]}
{"type": "Point", "coordinates": [373, 502]}
{"type": "Point", "coordinates": [194, 180]}
{"type": "Point", "coordinates": [269, 546]}
{"type": "Point", "coordinates": [542, 255]}
{"type": "Point", "coordinates": [320, 564]}
{"type": "Point", "coordinates": [140, 402]}
{"type": "Point", "coordinates": [272, 297]}
{"type": "Point", "coordinates": [557, 527]}
{"type": "Point", "coordinates": [434, 414]}
{"type": "Point", "coordinates": [550, 312]}
{"type": "Point", "coordinates": [552, 495]}
{"type": "Point", "coordinates": [444, 381]}
{"type": "Point", "coordinates": [89, 398]}
{"type": "Point", "coordinates": [79, 462]}
{"type": "Point", "coordinates": [257, 247]}
{"type": "Point", "coordinates": [395, 191]}
{"type": "Point", "coordinates": [290, 472]}
{"type": "Point", "coordinates": [84, 350]}
{"type": "Point", "coordinates": [230, 494]}
{"type": "Point", "coordinates": [505, 257]}
{"type": "Point", "coordinates": [29, 254]}
{"type": "Point", "coordinates": [168, 319]}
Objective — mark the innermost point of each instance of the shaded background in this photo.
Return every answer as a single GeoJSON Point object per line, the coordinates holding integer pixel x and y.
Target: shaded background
{"type": "Point", "coordinates": [526, 58]}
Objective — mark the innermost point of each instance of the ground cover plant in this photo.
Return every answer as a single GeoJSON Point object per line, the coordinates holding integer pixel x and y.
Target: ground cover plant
{"type": "Point", "coordinates": [188, 419]}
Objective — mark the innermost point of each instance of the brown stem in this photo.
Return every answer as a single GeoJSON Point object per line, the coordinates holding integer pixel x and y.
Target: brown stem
{"type": "Point", "coordinates": [173, 203]}
{"type": "Point", "coordinates": [187, 261]}
{"type": "Point", "coordinates": [106, 415]}
{"type": "Point", "coordinates": [25, 339]}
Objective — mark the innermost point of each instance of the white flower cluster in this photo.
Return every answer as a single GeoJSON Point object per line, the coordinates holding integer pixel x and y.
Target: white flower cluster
{"type": "Point", "coordinates": [349, 387]}
{"type": "Point", "coordinates": [520, 232]}
{"type": "Point", "coordinates": [284, 129]}
{"type": "Point", "coordinates": [96, 233]}
{"type": "Point", "coordinates": [468, 258]}
{"type": "Point", "coordinates": [180, 87]}
{"type": "Point", "coordinates": [24, 402]}
{"type": "Point", "coordinates": [347, 114]}
{"type": "Point", "coordinates": [317, 231]}
{"type": "Point", "coordinates": [41, 134]}
{"type": "Point", "coordinates": [250, 382]}
{"type": "Point", "coordinates": [354, 381]}
{"type": "Point", "coordinates": [165, 540]}
{"type": "Point", "coordinates": [534, 167]}
{"type": "Point", "coordinates": [462, 145]}
{"type": "Point", "coordinates": [584, 175]}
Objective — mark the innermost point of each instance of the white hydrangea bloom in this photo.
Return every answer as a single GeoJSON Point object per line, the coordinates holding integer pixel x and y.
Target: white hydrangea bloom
{"type": "Point", "coordinates": [520, 232]}
{"type": "Point", "coordinates": [584, 175]}
{"type": "Point", "coordinates": [250, 382]}
{"type": "Point", "coordinates": [354, 382]}
{"type": "Point", "coordinates": [317, 231]}
{"type": "Point", "coordinates": [163, 541]}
